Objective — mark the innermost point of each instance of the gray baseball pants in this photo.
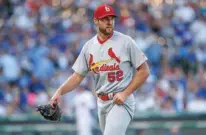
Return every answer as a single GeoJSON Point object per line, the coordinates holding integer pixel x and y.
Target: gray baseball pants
{"type": "Point", "coordinates": [114, 119]}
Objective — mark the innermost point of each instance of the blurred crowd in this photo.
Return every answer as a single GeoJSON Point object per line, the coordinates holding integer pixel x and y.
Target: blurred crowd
{"type": "Point", "coordinates": [40, 40]}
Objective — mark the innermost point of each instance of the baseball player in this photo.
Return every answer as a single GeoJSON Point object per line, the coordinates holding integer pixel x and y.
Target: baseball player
{"type": "Point", "coordinates": [111, 56]}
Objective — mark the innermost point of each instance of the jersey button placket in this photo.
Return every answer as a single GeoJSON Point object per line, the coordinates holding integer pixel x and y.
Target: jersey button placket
{"type": "Point", "coordinates": [101, 53]}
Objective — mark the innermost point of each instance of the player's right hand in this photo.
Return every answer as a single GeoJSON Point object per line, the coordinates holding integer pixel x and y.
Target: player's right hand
{"type": "Point", "coordinates": [55, 99]}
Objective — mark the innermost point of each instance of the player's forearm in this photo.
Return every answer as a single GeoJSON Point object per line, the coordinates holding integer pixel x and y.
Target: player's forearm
{"type": "Point", "coordinates": [71, 83]}
{"type": "Point", "coordinates": [139, 78]}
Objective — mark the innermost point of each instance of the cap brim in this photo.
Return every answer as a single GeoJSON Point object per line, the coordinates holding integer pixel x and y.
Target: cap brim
{"type": "Point", "coordinates": [106, 16]}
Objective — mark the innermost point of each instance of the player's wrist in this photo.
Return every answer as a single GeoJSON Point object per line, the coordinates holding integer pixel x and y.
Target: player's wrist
{"type": "Point", "coordinates": [59, 92]}
{"type": "Point", "coordinates": [126, 93]}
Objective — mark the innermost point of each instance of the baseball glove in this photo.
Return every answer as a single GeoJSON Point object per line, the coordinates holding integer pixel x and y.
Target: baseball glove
{"type": "Point", "coordinates": [49, 113]}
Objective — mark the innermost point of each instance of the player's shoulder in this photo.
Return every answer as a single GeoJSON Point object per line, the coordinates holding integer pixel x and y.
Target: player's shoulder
{"type": "Point", "coordinates": [121, 36]}
{"type": "Point", "coordinates": [90, 42]}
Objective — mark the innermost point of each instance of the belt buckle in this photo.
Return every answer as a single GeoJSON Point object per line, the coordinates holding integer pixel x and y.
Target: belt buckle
{"type": "Point", "coordinates": [110, 95]}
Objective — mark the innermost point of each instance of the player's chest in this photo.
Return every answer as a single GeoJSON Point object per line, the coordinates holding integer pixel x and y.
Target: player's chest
{"type": "Point", "coordinates": [106, 57]}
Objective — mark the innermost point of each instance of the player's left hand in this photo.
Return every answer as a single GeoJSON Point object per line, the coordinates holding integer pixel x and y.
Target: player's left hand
{"type": "Point", "coordinates": [119, 98]}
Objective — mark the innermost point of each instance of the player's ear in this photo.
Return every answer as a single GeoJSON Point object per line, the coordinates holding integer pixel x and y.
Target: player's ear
{"type": "Point", "coordinates": [95, 21]}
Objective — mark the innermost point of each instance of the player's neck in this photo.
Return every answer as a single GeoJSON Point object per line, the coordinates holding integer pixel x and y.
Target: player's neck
{"type": "Point", "coordinates": [102, 38]}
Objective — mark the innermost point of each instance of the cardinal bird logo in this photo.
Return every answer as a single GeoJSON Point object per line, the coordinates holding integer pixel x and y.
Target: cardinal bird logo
{"type": "Point", "coordinates": [96, 67]}
{"type": "Point", "coordinates": [113, 55]}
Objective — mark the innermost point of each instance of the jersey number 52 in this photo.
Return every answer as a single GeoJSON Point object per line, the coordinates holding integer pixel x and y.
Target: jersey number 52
{"type": "Point", "coordinates": [115, 76]}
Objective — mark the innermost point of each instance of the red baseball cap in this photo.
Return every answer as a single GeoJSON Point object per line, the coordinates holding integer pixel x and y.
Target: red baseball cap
{"type": "Point", "coordinates": [103, 10]}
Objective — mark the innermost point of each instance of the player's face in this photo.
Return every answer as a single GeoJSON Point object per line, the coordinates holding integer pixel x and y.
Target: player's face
{"type": "Point", "coordinates": [106, 25]}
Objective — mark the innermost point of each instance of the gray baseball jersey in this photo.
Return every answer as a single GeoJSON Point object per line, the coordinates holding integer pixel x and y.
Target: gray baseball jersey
{"type": "Point", "coordinates": [112, 63]}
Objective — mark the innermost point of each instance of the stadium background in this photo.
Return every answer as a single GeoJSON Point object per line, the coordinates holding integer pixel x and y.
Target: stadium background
{"type": "Point", "coordinates": [40, 40]}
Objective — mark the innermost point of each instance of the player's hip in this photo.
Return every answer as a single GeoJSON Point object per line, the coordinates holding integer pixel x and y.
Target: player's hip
{"type": "Point", "coordinates": [105, 105]}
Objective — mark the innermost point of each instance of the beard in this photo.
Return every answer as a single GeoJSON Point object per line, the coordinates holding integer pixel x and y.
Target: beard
{"type": "Point", "coordinates": [106, 31]}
